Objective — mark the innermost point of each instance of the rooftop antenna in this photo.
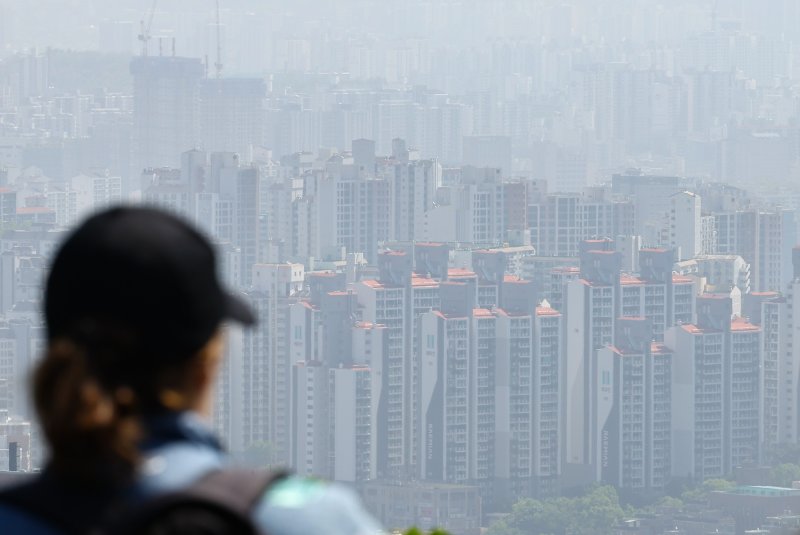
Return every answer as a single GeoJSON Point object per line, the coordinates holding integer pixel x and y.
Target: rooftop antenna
{"type": "Point", "coordinates": [144, 33]}
{"type": "Point", "coordinates": [218, 64]}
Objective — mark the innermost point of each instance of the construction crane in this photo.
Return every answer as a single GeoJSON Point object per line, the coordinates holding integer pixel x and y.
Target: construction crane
{"type": "Point", "coordinates": [144, 33]}
{"type": "Point", "coordinates": [218, 64]}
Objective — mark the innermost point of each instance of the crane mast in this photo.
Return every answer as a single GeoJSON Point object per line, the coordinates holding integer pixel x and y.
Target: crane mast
{"type": "Point", "coordinates": [145, 29]}
{"type": "Point", "coordinates": [218, 64]}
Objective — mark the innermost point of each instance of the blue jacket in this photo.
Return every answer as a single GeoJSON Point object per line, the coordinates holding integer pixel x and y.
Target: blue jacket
{"type": "Point", "coordinates": [180, 449]}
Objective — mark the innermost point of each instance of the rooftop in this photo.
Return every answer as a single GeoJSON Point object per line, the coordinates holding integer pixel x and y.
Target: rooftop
{"type": "Point", "coordinates": [418, 282]}
{"type": "Point", "coordinates": [737, 325]}
{"type": "Point", "coordinates": [368, 325]}
{"type": "Point", "coordinates": [628, 280]}
{"type": "Point", "coordinates": [741, 324]}
{"type": "Point", "coordinates": [322, 274]}
{"type": "Point", "coordinates": [460, 273]}
{"type": "Point", "coordinates": [657, 348]}
{"type": "Point", "coordinates": [766, 491]}
{"type": "Point", "coordinates": [566, 269]}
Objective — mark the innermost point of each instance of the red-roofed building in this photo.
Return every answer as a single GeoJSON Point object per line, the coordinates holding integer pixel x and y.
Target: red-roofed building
{"type": "Point", "coordinates": [716, 392]}
{"type": "Point", "coordinates": [780, 370]}
{"type": "Point", "coordinates": [36, 215]}
{"type": "Point", "coordinates": [595, 302]}
{"type": "Point", "coordinates": [397, 301]}
{"type": "Point", "coordinates": [505, 367]}
{"type": "Point", "coordinates": [633, 409]}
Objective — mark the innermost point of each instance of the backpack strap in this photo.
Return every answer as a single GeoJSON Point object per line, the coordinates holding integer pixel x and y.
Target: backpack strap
{"type": "Point", "coordinates": [234, 488]}
{"type": "Point", "coordinates": [231, 490]}
{"type": "Point", "coordinates": [227, 495]}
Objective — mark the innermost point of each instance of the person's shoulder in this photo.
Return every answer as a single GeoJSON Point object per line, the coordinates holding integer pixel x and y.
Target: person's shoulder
{"type": "Point", "coordinates": [16, 522]}
{"type": "Point", "coordinates": [176, 465]}
{"type": "Point", "coordinates": [296, 505]}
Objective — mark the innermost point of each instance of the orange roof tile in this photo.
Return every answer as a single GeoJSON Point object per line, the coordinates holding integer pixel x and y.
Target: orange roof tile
{"type": "Point", "coordinates": [657, 348]}
{"type": "Point", "coordinates": [693, 329]}
{"type": "Point", "coordinates": [423, 282]}
{"type": "Point", "coordinates": [741, 324]}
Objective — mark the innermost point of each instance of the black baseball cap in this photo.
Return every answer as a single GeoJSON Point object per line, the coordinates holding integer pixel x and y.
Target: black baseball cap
{"type": "Point", "coordinates": [145, 272]}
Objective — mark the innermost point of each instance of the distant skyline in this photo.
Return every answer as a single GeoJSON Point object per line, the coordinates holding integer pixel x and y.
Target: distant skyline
{"type": "Point", "coordinates": [80, 25]}
{"type": "Point", "coordinates": [518, 247]}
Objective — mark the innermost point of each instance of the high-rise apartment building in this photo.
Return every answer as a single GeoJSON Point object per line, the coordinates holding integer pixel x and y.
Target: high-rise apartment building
{"type": "Point", "coordinates": [447, 389]}
{"type": "Point", "coordinates": [634, 408]}
{"type": "Point", "coordinates": [353, 423]}
{"type": "Point", "coordinates": [352, 210]}
{"type": "Point", "coordinates": [651, 197]}
{"type": "Point", "coordinates": [396, 300]}
{"type": "Point", "coordinates": [685, 230]}
{"type": "Point", "coordinates": [716, 391]}
{"type": "Point", "coordinates": [414, 184]}
{"type": "Point", "coordinates": [165, 109]}
{"type": "Point", "coordinates": [232, 115]}
{"type": "Point", "coordinates": [594, 303]}
{"type": "Point", "coordinates": [559, 222]}
{"type": "Point", "coordinates": [780, 368]}
{"type": "Point", "coordinates": [763, 238]}
{"type": "Point", "coordinates": [263, 390]}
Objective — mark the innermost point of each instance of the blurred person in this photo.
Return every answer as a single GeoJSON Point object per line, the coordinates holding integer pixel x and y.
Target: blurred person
{"type": "Point", "coordinates": [134, 311]}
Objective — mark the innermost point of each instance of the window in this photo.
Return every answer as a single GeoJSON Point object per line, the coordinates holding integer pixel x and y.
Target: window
{"type": "Point", "coordinates": [605, 378]}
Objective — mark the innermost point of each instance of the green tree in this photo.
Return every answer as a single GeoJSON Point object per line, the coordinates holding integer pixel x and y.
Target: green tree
{"type": "Point", "coordinates": [669, 501]}
{"type": "Point", "coordinates": [784, 474]}
{"type": "Point", "coordinates": [416, 531]}
{"type": "Point", "coordinates": [597, 513]}
{"type": "Point", "coordinates": [700, 493]}
{"type": "Point", "coordinates": [534, 517]}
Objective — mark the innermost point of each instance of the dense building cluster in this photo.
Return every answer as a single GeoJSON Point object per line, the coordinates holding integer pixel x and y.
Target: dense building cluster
{"type": "Point", "coordinates": [482, 273]}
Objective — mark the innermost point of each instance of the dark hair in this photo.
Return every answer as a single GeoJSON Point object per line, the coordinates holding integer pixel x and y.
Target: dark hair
{"type": "Point", "coordinates": [87, 425]}
{"type": "Point", "coordinates": [132, 296]}
{"type": "Point", "coordinates": [90, 399]}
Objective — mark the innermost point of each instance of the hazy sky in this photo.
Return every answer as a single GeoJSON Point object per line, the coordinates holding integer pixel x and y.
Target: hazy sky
{"type": "Point", "coordinates": [80, 24]}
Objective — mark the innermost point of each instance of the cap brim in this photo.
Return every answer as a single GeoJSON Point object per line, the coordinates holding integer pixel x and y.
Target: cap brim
{"type": "Point", "coordinates": [237, 310]}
